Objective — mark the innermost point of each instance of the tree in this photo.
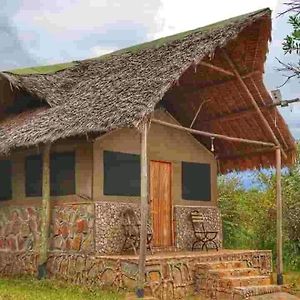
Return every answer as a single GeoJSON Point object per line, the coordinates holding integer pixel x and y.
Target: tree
{"type": "Point", "coordinates": [291, 43]}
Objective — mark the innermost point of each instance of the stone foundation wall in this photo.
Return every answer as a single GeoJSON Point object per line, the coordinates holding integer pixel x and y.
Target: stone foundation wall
{"type": "Point", "coordinates": [109, 236]}
{"type": "Point", "coordinates": [18, 263]}
{"type": "Point", "coordinates": [183, 229]}
{"type": "Point", "coordinates": [167, 277]}
{"type": "Point", "coordinates": [72, 228]}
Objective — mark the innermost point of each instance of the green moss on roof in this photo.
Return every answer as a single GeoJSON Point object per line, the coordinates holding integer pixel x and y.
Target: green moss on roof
{"type": "Point", "coordinates": [50, 69]}
{"type": "Point", "coordinates": [43, 69]}
{"type": "Point", "coordinates": [179, 36]}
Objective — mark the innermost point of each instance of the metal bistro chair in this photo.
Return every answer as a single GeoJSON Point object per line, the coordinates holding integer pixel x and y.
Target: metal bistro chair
{"type": "Point", "coordinates": [202, 236]}
{"type": "Point", "coordinates": [131, 227]}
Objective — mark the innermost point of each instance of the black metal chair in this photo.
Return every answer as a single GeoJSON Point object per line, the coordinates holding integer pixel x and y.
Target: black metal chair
{"type": "Point", "coordinates": [202, 236]}
{"type": "Point", "coordinates": [131, 227]}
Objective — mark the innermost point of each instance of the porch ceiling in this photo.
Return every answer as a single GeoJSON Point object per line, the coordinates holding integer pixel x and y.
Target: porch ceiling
{"type": "Point", "coordinates": [212, 100]}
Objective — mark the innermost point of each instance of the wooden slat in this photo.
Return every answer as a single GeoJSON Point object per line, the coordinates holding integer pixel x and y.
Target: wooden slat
{"type": "Point", "coordinates": [161, 203]}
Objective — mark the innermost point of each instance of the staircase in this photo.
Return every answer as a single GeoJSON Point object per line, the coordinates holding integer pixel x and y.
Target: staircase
{"type": "Point", "coordinates": [233, 280]}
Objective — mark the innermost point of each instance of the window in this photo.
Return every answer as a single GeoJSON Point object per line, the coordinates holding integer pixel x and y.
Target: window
{"type": "Point", "coordinates": [5, 180]}
{"type": "Point", "coordinates": [121, 174]}
{"type": "Point", "coordinates": [62, 174]}
{"type": "Point", "coordinates": [196, 183]}
{"type": "Point", "coordinates": [33, 176]}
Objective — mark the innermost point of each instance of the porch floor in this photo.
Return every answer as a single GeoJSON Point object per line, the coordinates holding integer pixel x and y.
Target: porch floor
{"type": "Point", "coordinates": [183, 254]}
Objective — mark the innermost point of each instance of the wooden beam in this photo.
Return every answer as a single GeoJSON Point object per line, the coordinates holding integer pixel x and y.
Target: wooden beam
{"type": "Point", "coordinates": [259, 112]}
{"type": "Point", "coordinates": [279, 264]}
{"type": "Point", "coordinates": [215, 135]}
{"type": "Point", "coordinates": [216, 68]}
{"type": "Point", "coordinates": [191, 89]}
{"type": "Point", "coordinates": [263, 150]}
{"type": "Point", "coordinates": [236, 115]}
{"type": "Point", "coordinates": [275, 104]}
{"type": "Point", "coordinates": [45, 214]}
{"type": "Point", "coordinates": [144, 208]}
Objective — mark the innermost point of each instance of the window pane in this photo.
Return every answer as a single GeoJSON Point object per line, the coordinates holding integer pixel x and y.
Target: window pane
{"type": "Point", "coordinates": [121, 174]}
{"type": "Point", "coordinates": [196, 183]}
{"type": "Point", "coordinates": [33, 175]}
{"type": "Point", "coordinates": [5, 180]}
{"type": "Point", "coordinates": [62, 174]}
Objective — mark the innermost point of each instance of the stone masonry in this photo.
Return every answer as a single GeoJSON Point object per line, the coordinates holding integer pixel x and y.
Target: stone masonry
{"type": "Point", "coordinates": [184, 230]}
{"type": "Point", "coordinates": [109, 236]}
{"type": "Point", "coordinates": [19, 228]}
{"type": "Point", "coordinates": [167, 276]}
{"type": "Point", "coordinates": [72, 228]}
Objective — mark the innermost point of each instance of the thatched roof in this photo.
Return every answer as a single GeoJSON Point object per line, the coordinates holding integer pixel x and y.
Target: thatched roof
{"type": "Point", "coordinates": [120, 89]}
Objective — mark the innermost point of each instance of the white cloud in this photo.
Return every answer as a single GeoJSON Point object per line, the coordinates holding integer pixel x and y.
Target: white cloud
{"type": "Point", "coordinates": [69, 18]}
{"type": "Point", "coordinates": [178, 16]}
{"type": "Point", "coordinates": [99, 50]}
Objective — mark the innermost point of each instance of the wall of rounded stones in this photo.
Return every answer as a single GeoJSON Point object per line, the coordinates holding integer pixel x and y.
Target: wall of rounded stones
{"type": "Point", "coordinates": [72, 228]}
{"type": "Point", "coordinates": [183, 229]}
{"type": "Point", "coordinates": [109, 235]}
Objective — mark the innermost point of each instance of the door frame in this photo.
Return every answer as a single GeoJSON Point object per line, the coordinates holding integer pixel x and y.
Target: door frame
{"type": "Point", "coordinates": [171, 196]}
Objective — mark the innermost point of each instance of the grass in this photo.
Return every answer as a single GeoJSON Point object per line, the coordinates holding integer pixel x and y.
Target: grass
{"type": "Point", "coordinates": [32, 289]}
{"type": "Point", "coordinates": [293, 280]}
{"type": "Point", "coordinates": [133, 49]}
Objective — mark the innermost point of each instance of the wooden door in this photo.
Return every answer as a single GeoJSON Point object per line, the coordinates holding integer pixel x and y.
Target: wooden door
{"type": "Point", "coordinates": [161, 203]}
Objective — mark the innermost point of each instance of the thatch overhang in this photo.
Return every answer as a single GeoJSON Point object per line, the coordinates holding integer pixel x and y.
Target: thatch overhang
{"type": "Point", "coordinates": [120, 89]}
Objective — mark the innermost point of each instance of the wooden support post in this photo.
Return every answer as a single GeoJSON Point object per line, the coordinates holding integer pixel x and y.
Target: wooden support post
{"type": "Point", "coordinates": [279, 265]}
{"type": "Point", "coordinates": [45, 214]}
{"type": "Point", "coordinates": [262, 117]}
{"type": "Point", "coordinates": [144, 208]}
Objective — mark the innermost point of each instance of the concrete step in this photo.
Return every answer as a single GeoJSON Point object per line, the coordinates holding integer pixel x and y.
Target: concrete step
{"type": "Point", "coordinates": [245, 292]}
{"type": "Point", "coordinates": [243, 281]}
{"type": "Point", "coordinates": [222, 265]}
{"type": "Point", "coordinates": [234, 272]}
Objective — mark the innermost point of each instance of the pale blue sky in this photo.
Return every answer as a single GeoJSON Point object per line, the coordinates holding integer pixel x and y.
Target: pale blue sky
{"type": "Point", "coordinates": [35, 32]}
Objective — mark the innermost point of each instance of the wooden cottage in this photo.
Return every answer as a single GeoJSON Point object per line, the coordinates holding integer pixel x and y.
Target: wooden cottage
{"type": "Point", "coordinates": [147, 128]}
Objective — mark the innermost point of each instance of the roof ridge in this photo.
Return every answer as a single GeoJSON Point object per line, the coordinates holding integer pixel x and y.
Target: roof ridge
{"type": "Point", "coordinates": [51, 69]}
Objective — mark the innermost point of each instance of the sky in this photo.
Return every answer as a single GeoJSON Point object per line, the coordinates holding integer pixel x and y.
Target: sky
{"type": "Point", "coordinates": [39, 32]}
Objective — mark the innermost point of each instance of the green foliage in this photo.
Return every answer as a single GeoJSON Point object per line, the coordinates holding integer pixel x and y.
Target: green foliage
{"type": "Point", "coordinates": [249, 216]}
{"type": "Point", "coordinates": [292, 42]}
